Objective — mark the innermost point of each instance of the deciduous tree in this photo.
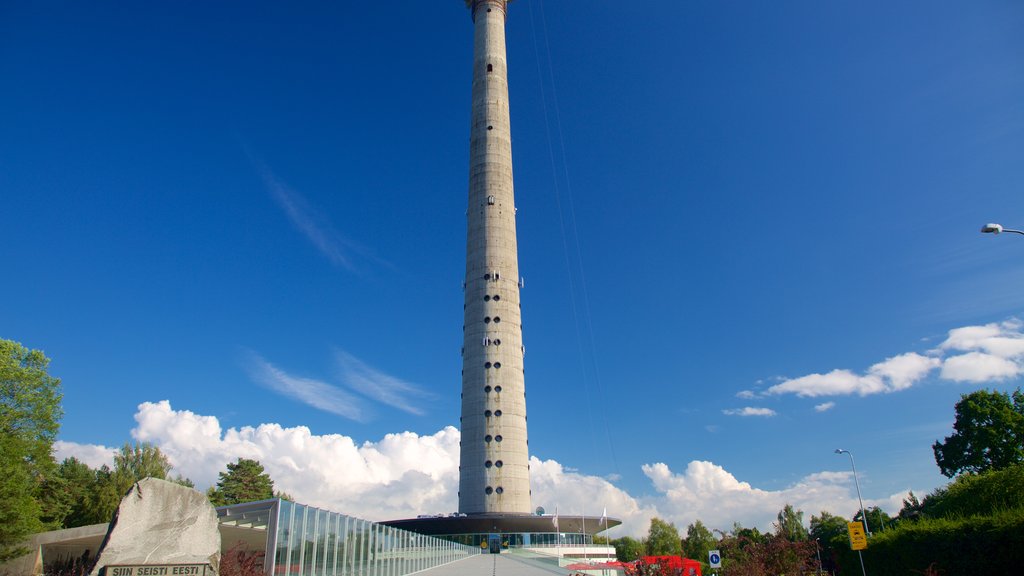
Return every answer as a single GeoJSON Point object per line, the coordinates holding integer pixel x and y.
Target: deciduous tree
{"type": "Point", "coordinates": [663, 539]}
{"type": "Point", "coordinates": [699, 541]}
{"type": "Point", "coordinates": [627, 549]}
{"type": "Point", "coordinates": [790, 524]}
{"type": "Point", "coordinates": [988, 434]}
{"type": "Point", "coordinates": [29, 419]}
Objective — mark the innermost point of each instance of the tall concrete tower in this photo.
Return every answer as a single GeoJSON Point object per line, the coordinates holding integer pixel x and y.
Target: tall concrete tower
{"type": "Point", "coordinates": [494, 475]}
{"type": "Point", "coordinates": [494, 471]}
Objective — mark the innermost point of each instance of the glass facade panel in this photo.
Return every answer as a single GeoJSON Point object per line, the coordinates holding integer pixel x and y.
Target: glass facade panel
{"type": "Point", "coordinates": [307, 541]}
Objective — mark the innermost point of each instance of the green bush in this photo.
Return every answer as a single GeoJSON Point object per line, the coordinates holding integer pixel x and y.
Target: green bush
{"type": "Point", "coordinates": [977, 494]}
{"type": "Point", "coordinates": [992, 544]}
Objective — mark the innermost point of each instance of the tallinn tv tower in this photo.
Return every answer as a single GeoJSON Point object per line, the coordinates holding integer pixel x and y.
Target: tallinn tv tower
{"type": "Point", "coordinates": [494, 475]}
{"type": "Point", "coordinates": [494, 471]}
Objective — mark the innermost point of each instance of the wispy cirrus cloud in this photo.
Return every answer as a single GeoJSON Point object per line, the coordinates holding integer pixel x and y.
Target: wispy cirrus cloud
{"type": "Point", "coordinates": [824, 407]}
{"type": "Point", "coordinates": [379, 386]}
{"type": "Point", "coordinates": [749, 411]}
{"type": "Point", "coordinates": [315, 393]}
{"type": "Point", "coordinates": [338, 249]}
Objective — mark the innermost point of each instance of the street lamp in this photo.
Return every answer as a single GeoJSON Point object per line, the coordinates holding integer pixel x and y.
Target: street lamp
{"type": "Point", "coordinates": [863, 515]}
{"type": "Point", "coordinates": [992, 228]}
{"type": "Point", "coordinates": [818, 550]}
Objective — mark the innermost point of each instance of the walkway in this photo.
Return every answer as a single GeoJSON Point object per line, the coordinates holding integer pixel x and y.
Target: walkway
{"type": "Point", "coordinates": [493, 565]}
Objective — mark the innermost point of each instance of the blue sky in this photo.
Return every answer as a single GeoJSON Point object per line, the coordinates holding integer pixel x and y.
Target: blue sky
{"type": "Point", "coordinates": [238, 230]}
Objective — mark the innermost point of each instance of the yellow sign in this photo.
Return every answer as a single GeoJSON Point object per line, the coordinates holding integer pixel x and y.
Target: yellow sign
{"type": "Point", "coordinates": [858, 540]}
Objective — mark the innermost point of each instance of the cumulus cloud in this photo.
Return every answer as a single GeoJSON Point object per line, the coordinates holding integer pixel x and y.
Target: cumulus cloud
{"type": "Point", "coordinates": [893, 374]}
{"type": "Point", "coordinates": [400, 475]}
{"type": "Point", "coordinates": [979, 367]}
{"type": "Point", "coordinates": [706, 491]}
{"type": "Point", "coordinates": [824, 406]}
{"type": "Point", "coordinates": [991, 352]}
{"type": "Point", "coordinates": [315, 393]}
{"type": "Point", "coordinates": [377, 385]}
{"type": "Point", "coordinates": [749, 411]}
{"type": "Point", "coordinates": [1002, 339]}
{"type": "Point", "coordinates": [405, 474]}
{"type": "Point", "coordinates": [94, 455]}
{"type": "Point", "coordinates": [746, 395]}
{"type": "Point", "coordinates": [987, 353]}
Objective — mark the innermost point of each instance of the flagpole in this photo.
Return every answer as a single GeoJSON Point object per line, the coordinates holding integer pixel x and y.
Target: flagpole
{"type": "Point", "coordinates": [558, 540]}
{"type": "Point", "coordinates": [604, 518]}
{"type": "Point", "coordinates": [583, 519]}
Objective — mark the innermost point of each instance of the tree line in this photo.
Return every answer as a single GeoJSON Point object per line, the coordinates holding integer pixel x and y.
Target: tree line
{"type": "Point", "coordinates": [37, 493]}
{"type": "Point", "coordinates": [971, 525]}
{"type": "Point", "coordinates": [980, 511]}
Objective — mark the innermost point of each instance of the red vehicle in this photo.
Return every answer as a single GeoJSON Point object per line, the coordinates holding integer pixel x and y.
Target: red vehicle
{"type": "Point", "coordinates": [666, 565]}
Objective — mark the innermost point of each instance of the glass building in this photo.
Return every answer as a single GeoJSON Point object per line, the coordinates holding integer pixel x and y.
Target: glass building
{"type": "Point", "coordinates": [302, 540]}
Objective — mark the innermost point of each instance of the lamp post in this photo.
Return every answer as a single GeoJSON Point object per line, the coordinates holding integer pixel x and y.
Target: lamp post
{"type": "Point", "coordinates": [818, 550]}
{"type": "Point", "coordinates": [992, 228]}
{"type": "Point", "coordinates": [863, 515]}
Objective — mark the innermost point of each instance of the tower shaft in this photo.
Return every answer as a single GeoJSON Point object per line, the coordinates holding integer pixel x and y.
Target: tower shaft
{"type": "Point", "coordinates": [494, 473]}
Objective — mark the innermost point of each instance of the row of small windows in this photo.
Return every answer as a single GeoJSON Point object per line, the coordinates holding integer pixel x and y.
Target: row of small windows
{"type": "Point", "coordinates": [488, 364]}
{"type": "Point", "coordinates": [487, 413]}
{"type": "Point", "coordinates": [496, 297]}
{"type": "Point", "coordinates": [490, 490]}
{"type": "Point", "coordinates": [497, 464]}
{"type": "Point", "coordinates": [496, 438]}
{"type": "Point", "coordinates": [487, 319]}
{"type": "Point", "coordinates": [487, 342]}
{"type": "Point", "coordinates": [497, 389]}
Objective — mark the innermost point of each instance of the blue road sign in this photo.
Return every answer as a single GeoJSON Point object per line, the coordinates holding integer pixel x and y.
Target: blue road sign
{"type": "Point", "coordinates": [715, 559]}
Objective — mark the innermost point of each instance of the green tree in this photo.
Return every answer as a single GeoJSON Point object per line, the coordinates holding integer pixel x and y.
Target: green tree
{"type": "Point", "coordinates": [699, 541]}
{"type": "Point", "coordinates": [830, 532]}
{"type": "Point", "coordinates": [988, 434]}
{"type": "Point", "coordinates": [790, 524]}
{"type": "Point", "coordinates": [77, 481]}
{"type": "Point", "coordinates": [878, 520]}
{"type": "Point", "coordinates": [29, 419]}
{"type": "Point", "coordinates": [141, 460]}
{"type": "Point", "coordinates": [911, 509]}
{"type": "Point", "coordinates": [132, 462]}
{"type": "Point", "coordinates": [662, 539]}
{"type": "Point", "coordinates": [627, 549]}
{"type": "Point", "coordinates": [244, 481]}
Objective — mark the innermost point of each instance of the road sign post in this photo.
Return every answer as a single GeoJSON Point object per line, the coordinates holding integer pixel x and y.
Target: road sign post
{"type": "Point", "coordinates": [714, 559]}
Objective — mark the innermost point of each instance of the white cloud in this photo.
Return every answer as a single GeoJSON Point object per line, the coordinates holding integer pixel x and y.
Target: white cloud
{"type": "Point", "coordinates": [903, 371]}
{"type": "Point", "coordinates": [824, 407]}
{"type": "Point", "coordinates": [405, 474]}
{"type": "Point", "coordinates": [706, 491]}
{"type": "Point", "coordinates": [400, 475]}
{"type": "Point", "coordinates": [378, 385]}
{"type": "Point", "coordinates": [896, 373]}
{"type": "Point", "coordinates": [979, 367]}
{"type": "Point", "coordinates": [320, 233]}
{"type": "Point", "coordinates": [749, 411]}
{"type": "Point", "coordinates": [94, 455]}
{"type": "Point", "coordinates": [315, 393]}
{"type": "Point", "coordinates": [993, 352]}
{"type": "Point", "coordinates": [986, 353]}
{"type": "Point", "coordinates": [746, 395]}
{"type": "Point", "coordinates": [1003, 339]}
